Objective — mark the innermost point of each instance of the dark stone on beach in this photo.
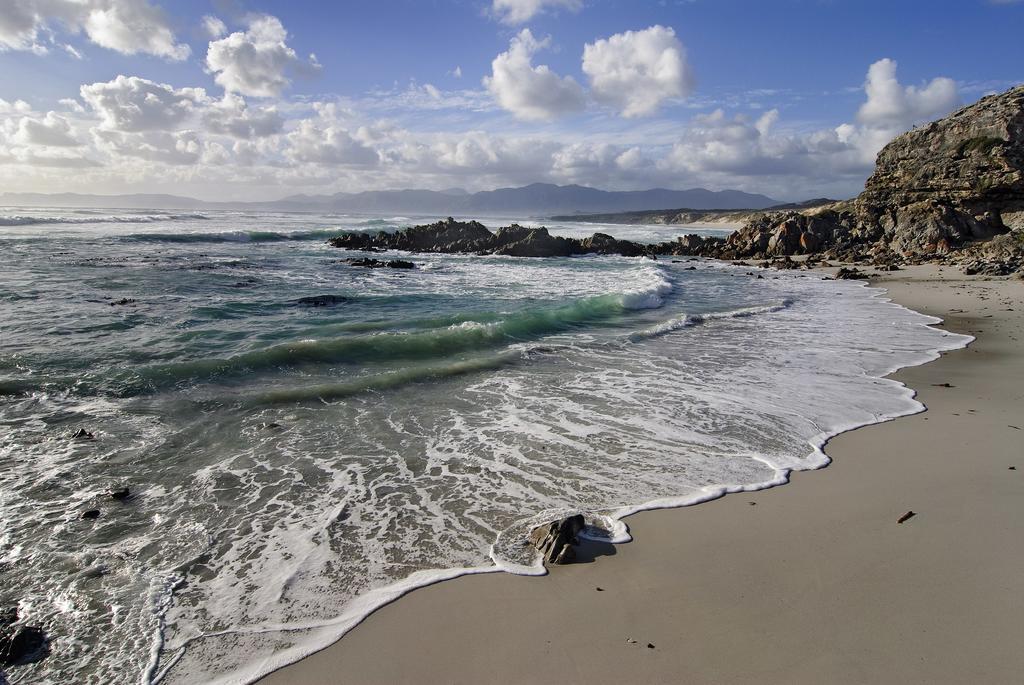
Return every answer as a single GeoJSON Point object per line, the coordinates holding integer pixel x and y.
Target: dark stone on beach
{"type": "Point", "coordinates": [906, 517]}
{"type": "Point", "coordinates": [601, 589]}
{"type": "Point", "coordinates": [121, 494]}
{"type": "Point", "coordinates": [82, 434]}
{"type": "Point", "coordinates": [650, 645]}
{"type": "Point", "coordinates": [19, 644]}
{"type": "Point", "coordinates": [850, 274]}
{"type": "Point", "coordinates": [943, 385]}
{"type": "Point", "coordinates": [91, 514]}
{"type": "Point", "coordinates": [320, 300]}
{"type": "Point", "coordinates": [555, 540]}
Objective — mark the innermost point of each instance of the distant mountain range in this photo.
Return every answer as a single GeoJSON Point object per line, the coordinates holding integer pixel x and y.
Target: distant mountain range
{"type": "Point", "coordinates": [538, 199]}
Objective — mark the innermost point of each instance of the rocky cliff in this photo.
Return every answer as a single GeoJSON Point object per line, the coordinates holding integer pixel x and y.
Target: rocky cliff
{"type": "Point", "coordinates": [935, 189]}
{"type": "Point", "coordinates": [955, 180]}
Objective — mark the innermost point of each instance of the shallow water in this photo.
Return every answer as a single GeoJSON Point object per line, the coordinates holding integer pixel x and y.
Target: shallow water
{"type": "Point", "coordinates": [293, 466]}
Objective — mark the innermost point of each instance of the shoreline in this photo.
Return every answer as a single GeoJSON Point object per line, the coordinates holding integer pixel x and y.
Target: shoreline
{"type": "Point", "coordinates": [388, 645]}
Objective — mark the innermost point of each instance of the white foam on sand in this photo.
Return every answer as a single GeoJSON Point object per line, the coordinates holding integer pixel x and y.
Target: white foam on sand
{"type": "Point", "coordinates": [610, 526]}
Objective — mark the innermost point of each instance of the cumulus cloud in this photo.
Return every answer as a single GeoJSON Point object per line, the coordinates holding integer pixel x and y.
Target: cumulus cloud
{"type": "Point", "coordinates": [18, 106]}
{"type": "Point", "coordinates": [213, 26]}
{"type": "Point", "coordinates": [529, 92]}
{"type": "Point", "coordinates": [894, 106]}
{"type": "Point", "coordinates": [178, 148]}
{"type": "Point", "coordinates": [130, 103]}
{"type": "Point", "coordinates": [521, 11]}
{"type": "Point", "coordinates": [233, 117]}
{"type": "Point", "coordinates": [716, 143]}
{"type": "Point", "coordinates": [257, 61]}
{"type": "Point", "coordinates": [52, 130]}
{"type": "Point", "coordinates": [322, 142]}
{"type": "Point", "coordinates": [141, 129]}
{"type": "Point", "coordinates": [126, 26]}
{"type": "Point", "coordinates": [636, 71]}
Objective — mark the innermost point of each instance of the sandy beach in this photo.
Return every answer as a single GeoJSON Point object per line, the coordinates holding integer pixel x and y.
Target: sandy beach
{"type": "Point", "coordinates": [812, 582]}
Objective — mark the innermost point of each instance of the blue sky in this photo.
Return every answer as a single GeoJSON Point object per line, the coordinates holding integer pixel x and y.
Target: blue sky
{"type": "Point", "coordinates": [223, 99]}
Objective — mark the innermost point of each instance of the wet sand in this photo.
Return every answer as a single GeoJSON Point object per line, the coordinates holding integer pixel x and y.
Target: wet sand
{"type": "Point", "coordinates": [812, 582]}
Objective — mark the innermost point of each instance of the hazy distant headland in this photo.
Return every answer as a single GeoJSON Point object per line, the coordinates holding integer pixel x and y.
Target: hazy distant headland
{"type": "Point", "coordinates": [537, 199]}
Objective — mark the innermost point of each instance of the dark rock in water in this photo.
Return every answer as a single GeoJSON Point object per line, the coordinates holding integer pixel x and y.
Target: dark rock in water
{"type": "Point", "coordinates": [471, 237]}
{"type": "Point", "coordinates": [82, 434]}
{"type": "Point", "coordinates": [122, 301]}
{"type": "Point", "coordinates": [320, 300]}
{"type": "Point", "coordinates": [19, 644]}
{"type": "Point", "coordinates": [850, 274]}
{"type": "Point", "coordinates": [121, 494]}
{"type": "Point", "coordinates": [555, 540]}
{"type": "Point", "coordinates": [516, 241]}
{"type": "Point", "coordinates": [91, 514]}
{"type": "Point", "coordinates": [371, 263]}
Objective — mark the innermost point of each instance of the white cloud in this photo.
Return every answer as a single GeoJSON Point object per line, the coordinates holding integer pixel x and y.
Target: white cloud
{"type": "Point", "coordinates": [213, 26]}
{"type": "Point", "coordinates": [178, 148]}
{"type": "Point", "coordinates": [522, 11]}
{"type": "Point", "coordinates": [146, 134]}
{"type": "Point", "coordinates": [636, 71]}
{"type": "Point", "coordinates": [529, 92]}
{"type": "Point", "coordinates": [16, 107]}
{"type": "Point", "coordinates": [126, 26]}
{"type": "Point", "coordinates": [131, 27]}
{"type": "Point", "coordinates": [137, 104]}
{"type": "Point", "coordinates": [231, 116]}
{"type": "Point", "coordinates": [323, 142]}
{"type": "Point", "coordinates": [52, 130]}
{"type": "Point", "coordinates": [257, 61]}
{"type": "Point", "coordinates": [893, 106]}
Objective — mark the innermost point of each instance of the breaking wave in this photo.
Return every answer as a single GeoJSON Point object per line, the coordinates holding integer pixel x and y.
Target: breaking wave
{"type": "Point", "coordinates": [232, 236]}
{"type": "Point", "coordinates": [20, 220]}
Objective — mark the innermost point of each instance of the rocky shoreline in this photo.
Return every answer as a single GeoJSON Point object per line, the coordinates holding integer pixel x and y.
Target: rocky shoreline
{"type": "Point", "coordinates": [951, 192]}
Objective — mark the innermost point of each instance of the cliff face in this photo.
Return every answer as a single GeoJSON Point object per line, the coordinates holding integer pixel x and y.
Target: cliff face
{"type": "Point", "coordinates": [935, 189]}
{"type": "Point", "coordinates": [957, 179]}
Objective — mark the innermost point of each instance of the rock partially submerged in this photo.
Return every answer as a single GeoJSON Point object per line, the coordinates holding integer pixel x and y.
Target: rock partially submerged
{"type": "Point", "coordinates": [369, 263]}
{"type": "Point", "coordinates": [320, 300]}
{"type": "Point", "coordinates": [471, 237]}
{"type": "Point", "coordinates": [555, 540]}
{"type": "Point", "coordinates": [19, 643]}
{"type": "Point", "coordinates": [845, 274]}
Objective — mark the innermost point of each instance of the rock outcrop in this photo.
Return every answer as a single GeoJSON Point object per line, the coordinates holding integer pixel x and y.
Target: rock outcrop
{"type": "Point", "coordinates": [955, 180]}
{"type": "Point", "coordinates": [451, 236]}
{"type": "Point", "coordinates": [935, 189]}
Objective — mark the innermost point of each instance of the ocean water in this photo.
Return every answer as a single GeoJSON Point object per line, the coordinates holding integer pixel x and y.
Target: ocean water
{"type": "Point", "coordinates": [292, 467]}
